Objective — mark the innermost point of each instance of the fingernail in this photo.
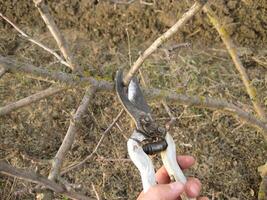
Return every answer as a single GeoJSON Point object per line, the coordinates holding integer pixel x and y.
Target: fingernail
{"type": "Point", "coordinates": [176, 186]}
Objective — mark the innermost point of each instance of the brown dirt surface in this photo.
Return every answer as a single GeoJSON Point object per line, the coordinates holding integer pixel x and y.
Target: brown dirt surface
{"type": "Point", "coordinates": [228, 151]}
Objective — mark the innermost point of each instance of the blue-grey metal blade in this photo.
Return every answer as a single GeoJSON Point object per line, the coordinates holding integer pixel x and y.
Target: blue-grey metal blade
{"type": "Point", "coordinates": [136, 96]}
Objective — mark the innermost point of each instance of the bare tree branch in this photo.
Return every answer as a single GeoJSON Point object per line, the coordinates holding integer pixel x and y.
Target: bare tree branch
{"type": "Point", "coordinates": [61, 60]}
{"type": "Point", "coordinates": [36, 178]}
{"type": "Point", "coordinates": [238, 64]}
{"type": "Point", "coordinates": [61, 42]}
{"type": "Point", "coordinates": [185, 18]}
{"type": "Point", "coordinates": [30, 99]}
{"type": "Point", "coordinates": [168, 110]}
{"type": "Point", "coordinates": [122, 2]}
{"type": "Point", "coordinates": [78, 165]}
{"type": "Point", "coordinates": [206, 102]}
{"type": "Point", "coordinates": [153, 93]}
{"type": "Point", "coordinates": [69, 137]}
{"type": "Point", "coordinates": [39, 72]}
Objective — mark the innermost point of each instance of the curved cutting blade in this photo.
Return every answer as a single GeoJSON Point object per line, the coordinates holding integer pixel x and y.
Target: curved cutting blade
{"type": "Point", "coordinates": [132, 109]}
{"type": "Point", "coordinates": [136, 96]}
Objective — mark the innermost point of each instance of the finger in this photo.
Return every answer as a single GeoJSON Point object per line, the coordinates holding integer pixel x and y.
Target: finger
{"type": "Point", "coordinates": [170, 191]}
{"type": "Point", "coordinates": [162, 176]}
{"type": "Point", "coordinates": [203, 198]}
{"type": "Point", "coordinates": [185, 162]}
{"type": "Point", "coordinates": [192, 187]}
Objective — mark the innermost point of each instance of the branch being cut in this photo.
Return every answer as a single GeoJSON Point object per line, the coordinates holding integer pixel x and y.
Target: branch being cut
{"type": "Point", "coordinates": [61, 60]}
{"type": "Point", "coordinates": [69, 137]}
{"type": "Point", "coordinates": [185, 18]}
{"type": "Point", "coordinates": [36, 178]}
{"type": "Point", "coordinates": [152, 94]}
{"type": "Point", "coordinates": [30, 99]}
{"type": "Point", "coordinates": [61, 42]}
{"type": "Point", "coordinates": [238, 64]}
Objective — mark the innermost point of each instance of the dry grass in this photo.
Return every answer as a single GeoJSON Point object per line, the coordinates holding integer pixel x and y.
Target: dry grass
{"type": "Point", "coordinates": [228, 152]}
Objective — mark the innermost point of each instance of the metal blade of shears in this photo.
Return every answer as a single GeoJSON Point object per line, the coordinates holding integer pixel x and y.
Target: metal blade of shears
{"type": "Point", "coordinates": [136, 96]}
{"type": "Point", "coordinates": [133, 102]}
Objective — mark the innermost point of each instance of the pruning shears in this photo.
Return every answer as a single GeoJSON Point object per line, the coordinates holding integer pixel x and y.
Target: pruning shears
{"type": "Point", "coordinates": [148, 138]}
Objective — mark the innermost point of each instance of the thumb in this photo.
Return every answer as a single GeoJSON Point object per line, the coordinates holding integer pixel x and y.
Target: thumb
{"type": "Point", "coordinates": [169, 191]}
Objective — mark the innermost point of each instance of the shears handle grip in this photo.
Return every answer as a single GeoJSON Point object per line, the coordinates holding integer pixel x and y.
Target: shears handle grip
{"type": "Point", "coordinates": [145, 166]}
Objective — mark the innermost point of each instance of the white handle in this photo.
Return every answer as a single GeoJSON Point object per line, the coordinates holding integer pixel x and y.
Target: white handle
{"type": "Point", "coordinates": [141, 161]}
{"type": "Point", "coordinates": [145, 166]}
{"type": "Point", "coordinates": [170, 163]}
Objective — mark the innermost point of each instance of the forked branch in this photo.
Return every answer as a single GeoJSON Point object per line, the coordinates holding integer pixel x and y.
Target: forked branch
{"type": "Point", "coordinates": [61, 42]}
{"type": "Point", "coordinates": [61, 60]}
{"type": "Point", "coordinates": [69, 137]}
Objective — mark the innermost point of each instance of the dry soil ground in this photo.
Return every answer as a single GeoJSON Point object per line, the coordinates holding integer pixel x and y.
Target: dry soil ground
{"type": "Point", "coordinates": [227, 150]}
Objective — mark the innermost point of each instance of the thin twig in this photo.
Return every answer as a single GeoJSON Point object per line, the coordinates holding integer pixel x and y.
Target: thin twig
{"type": "Point", "coordinates": [113, 160]}
{"type": "Point", "coordinates": [146, 3]}
{"type": "Point", "coordinates": [78, 165]}
{"type": "Point", "coordinates": [130, 59]}
{"type": "Point", "coordinates": [30, 99]}
{"type": "Point", "coordinates": [168, 110]}
{"type": "Point", "coordinates": [258, 60]}
{"type": "Point", "coordinates": [185, 18]}
{"type": "Point", "coordinates": [36, 178]}
{"type": "Point", "coordinates": [122, 2]}
{"type": "Point", "coordinates": [96, 194]}
{"type": "Point", "coordinates": [61, 42]}
{"type": "Point", "coordinates": [70, 135]}
{"type": "Point", "coordinates": [129, 47]}
{"type": "Point", "coordinates": [68, 185]}
{"type": "Point", "coordinates": [238, 64]}
{"type": "Point", "coordinates": [61, 60]}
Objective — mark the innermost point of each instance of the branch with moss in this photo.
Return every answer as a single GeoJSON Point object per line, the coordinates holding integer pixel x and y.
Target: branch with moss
{"type": "Point", "coordinates": [209, 103]}
{"type": "Point", "coordinates": [51, 76]}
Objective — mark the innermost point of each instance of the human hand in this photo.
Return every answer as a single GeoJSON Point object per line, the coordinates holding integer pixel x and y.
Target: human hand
{"type": "Point", "coordinates": [165, 190]}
